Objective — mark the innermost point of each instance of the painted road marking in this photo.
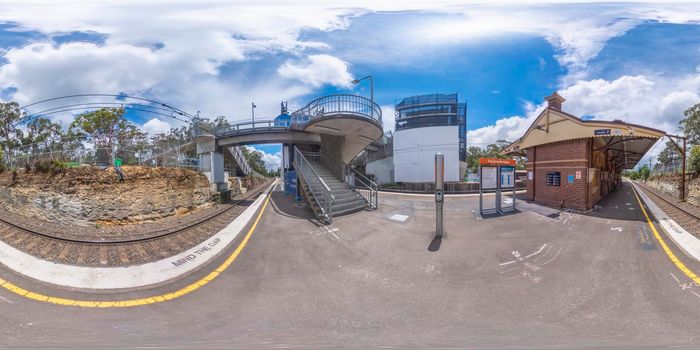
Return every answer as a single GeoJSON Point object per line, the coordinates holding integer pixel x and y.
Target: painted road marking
{"type": "Point", "coordinates": [526, 267]}
{"type": "Point", "coordinates": [399, 217]}
{"type": "Point", "coordinates": [688, 286]}
{"type": "Point", "coordinates": [148, 300]}
{"type": "Point", "coordinates": [618, 229]}
{"type": "Point", "coordinates": [332, 231]}
{"type": "Point", "coordinates": [675, 278]}
{"type": "Point", "coordinates": [552, 259]}
{"type": "Point", "coordinates": [537, 252]}
{"type": "Point", "coordinates": [674, 259]}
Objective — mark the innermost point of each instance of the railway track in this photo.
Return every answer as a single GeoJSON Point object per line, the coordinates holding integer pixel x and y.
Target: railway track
{"type": "Point", "coordinates": [688, 219]}
{"type": "Point", "coordinates": [122, 251]}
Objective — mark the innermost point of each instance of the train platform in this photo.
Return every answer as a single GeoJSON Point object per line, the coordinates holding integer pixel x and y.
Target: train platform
{"type": "Point", "coordinates": [539, 277]}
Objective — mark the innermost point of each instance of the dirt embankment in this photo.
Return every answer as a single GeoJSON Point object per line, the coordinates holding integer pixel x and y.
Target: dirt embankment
{"type": "Point", "coordinates": [93, 196]}
{"type": "Point", "coordinates": [671, 185]}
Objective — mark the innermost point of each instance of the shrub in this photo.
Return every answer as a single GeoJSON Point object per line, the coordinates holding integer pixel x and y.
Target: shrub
{"type": "Point", "coordinates": [49, 166]}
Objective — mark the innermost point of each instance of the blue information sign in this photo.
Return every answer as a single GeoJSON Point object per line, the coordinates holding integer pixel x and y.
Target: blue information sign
{"type": "Point", "coordinates": [290, 184]}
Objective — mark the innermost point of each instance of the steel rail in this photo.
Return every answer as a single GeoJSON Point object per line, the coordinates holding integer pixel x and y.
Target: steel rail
{"type": "Point", "coordinates": [647, 189]}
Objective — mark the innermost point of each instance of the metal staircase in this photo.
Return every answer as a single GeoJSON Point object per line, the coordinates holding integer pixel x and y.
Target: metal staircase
{"type": "Point", "coordinates": [329, 196]}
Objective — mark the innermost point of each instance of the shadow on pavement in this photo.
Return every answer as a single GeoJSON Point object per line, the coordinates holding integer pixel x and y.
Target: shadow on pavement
{"type": "Point", "coordinates": [621, 204]}
{"type": "Point", "coordinates": [285, 205]}
{"type": "Point", "coordinates": [435, 244]}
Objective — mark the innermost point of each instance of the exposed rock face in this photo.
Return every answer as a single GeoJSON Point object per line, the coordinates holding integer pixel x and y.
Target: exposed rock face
{"type": "Point", "coordinates": [90, 196]}
{"type": "Point", "coordinates": [671, 185]}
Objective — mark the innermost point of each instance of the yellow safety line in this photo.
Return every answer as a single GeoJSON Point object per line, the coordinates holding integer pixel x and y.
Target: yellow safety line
{"type": "Point", "coordinates": [142, 301]}
{"type": "Point", "coordinates": [674, 259]}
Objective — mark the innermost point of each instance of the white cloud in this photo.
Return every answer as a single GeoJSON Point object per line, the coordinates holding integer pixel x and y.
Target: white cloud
{"type": "Point", "coordinates": [388, 117]}
{"type": "Point", "coordinates": [41, 70]}
{"type": "Point", "coordinates": [318, 70]}
{"type": "Point", "coordinates": [155, 126]}
{"type": "Point", "coordinates": [655, 101]}
{"type": "Point", "coordinates": [509, 128]}
{"type": "Point", "coordinates": [173, 53]}
{"type": "Point", "coordinates": [197, 41]}
{"type": "Point", "coordinates": [272, 161]}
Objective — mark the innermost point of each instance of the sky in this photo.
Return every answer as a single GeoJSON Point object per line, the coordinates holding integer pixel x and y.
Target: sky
{"type": "Point", "coordinates": [638, 62]}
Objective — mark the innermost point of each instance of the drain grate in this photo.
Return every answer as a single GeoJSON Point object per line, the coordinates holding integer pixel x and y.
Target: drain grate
{"type": "Point", "coordinates": [554, 215]}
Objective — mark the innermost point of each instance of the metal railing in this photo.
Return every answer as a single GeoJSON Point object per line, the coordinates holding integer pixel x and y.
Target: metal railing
{"type": "Point", "coordinates": [250, 126]}
{"type": "Point", "coordinates": [340, 104]}
{"type": "Point", "coordinates": [238, 156]}
{"type": "Point", "coordinates": [327, 106]}
{"type": "Point", "coordinates": [318, 188]}
{"type": "Point", "coordinates": [367, 188]}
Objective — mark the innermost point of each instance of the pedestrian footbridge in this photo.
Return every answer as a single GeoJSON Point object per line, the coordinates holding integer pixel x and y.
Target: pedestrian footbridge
{"type": "Point", "coordinates": [334, 128]}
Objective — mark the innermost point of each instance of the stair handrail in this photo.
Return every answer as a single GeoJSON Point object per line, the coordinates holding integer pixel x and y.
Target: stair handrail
{"type": "Point", "coordinates": [240, 159]}
{"type": "Point", "coordinates": [324, 196]}
{"type": "Point", "coordinates": [369, 184]}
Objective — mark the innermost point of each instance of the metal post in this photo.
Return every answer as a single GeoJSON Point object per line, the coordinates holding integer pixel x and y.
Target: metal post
{"type": "Point", "coordinates": [439, 192]}
{"type": "Point", "coordinates": [498, 189]}
{"type": "Point", "coordinates": [252, 113]}
{"type": "Point", "coordinates": [481, 192]}
{"type": "Point", "coordinates": [683, 172]}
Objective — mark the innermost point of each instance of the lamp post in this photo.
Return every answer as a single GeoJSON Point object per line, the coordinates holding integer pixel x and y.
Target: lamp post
{"type": "Point", "coordinates": [371, 85]}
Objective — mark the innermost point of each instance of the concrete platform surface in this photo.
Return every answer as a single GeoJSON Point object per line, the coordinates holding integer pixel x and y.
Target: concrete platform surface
{"type": "Point", "coordinates": [537, 278]}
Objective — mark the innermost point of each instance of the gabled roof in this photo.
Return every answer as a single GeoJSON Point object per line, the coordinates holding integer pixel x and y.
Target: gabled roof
{"type": "Point", "coordinates": [630, 141]}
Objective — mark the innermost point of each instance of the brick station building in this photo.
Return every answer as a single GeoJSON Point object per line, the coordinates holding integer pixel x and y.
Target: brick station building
{"type": "Point", "coordinates": [574, 163]}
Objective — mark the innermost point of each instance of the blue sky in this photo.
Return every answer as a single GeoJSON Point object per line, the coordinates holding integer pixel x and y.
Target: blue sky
{"type": "Point", "coordinates": [633, 61]}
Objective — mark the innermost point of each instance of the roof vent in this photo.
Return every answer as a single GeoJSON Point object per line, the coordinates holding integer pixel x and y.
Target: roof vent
{"type": "Point", "coordinates": [554, 101]}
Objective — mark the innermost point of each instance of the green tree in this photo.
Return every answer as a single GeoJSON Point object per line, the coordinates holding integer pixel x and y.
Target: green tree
{"type": "Point", "coordinates": [106, 129]}
{"type": "Point", "coordinates": [10, 135]}
{"type": "Point", "coordinates": [691, 124]}
{"type": "Point", "coordinates": [669, 155]}
{"type": "Point", "coordinates": [255, 160]}
{"type": "Point", "coordinates": [43, 134]}
{"type": "Point", "coordinates": [694, 160]}
{"type": "Point", "coordinates": [473, 155]}
{"type": "Point", "coordinates": [644, 172]}
{"type": "Point", "coordinates": [491, 151]}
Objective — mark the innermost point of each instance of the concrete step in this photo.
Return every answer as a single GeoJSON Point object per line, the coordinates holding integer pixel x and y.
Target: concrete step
{"type": "Point", "coordinates": [349, 207]}
{"type": "Point", "coordinates": [345, 200]}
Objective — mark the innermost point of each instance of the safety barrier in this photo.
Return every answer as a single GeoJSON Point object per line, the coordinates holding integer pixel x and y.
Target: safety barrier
{"type": "Point", "coordinates": [317, 188]}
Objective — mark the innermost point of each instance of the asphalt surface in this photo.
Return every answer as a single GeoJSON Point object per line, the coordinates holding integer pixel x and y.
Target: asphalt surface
{"type": "Point", "coordinates": [537, 278]}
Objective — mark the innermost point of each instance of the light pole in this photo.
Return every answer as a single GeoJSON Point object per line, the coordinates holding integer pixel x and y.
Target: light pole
{"type": "Point", "coordinates": [371, 85]}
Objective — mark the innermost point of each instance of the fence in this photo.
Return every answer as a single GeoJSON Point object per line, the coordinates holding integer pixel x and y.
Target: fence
{"type": "Point", "coordinates": [76, 156]}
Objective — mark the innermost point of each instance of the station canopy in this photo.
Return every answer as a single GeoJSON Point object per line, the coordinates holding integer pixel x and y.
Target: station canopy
{"type": "Point", "coordinates": [624, 143]}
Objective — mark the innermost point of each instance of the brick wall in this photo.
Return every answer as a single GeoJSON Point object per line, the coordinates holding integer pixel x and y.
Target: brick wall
{"type": "Point", "coordinates": [567, 158]}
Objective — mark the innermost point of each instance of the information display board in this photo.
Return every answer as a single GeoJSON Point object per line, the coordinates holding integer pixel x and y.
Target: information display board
{"type": "Point", "coordinates": [507, 177]}
{"type": "Point", "coordinates": [489, 177]}
{"type": "Point", "coordinates": [496, 174]}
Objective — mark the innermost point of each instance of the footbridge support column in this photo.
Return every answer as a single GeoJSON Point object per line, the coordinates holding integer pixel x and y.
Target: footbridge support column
{"type": "Point", "coordinates": [211, 162]}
